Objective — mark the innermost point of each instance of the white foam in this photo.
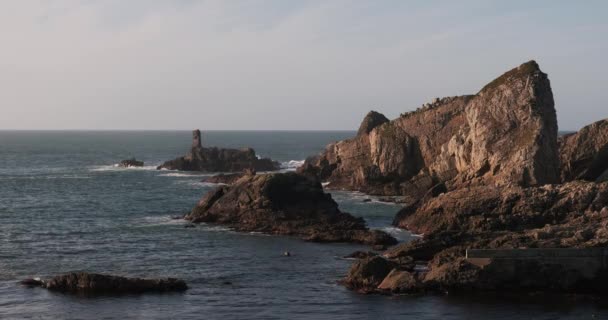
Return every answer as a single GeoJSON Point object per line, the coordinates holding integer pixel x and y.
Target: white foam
{"type": "Point", "coordinates": [292, 164]}
{"type": "Point", "coordinates": [400, 234]}
{"type": "Point", "coordinates": [182, 175]}
{"type": "Point", "coordinates": [159, 221]}
{"type": "Point", "coordinates": [198, 183]}
{"type": "Point", "coordinates": [116, 167]}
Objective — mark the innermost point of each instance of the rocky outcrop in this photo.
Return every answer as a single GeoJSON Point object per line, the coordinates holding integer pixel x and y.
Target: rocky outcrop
{"type": "Point", "coordinates": [572, 215]}
{"type": "Point", "coordinates": [504, 135]}
{"type": "Point", "coordinates": [584, 154]}
{"type": "Point", "coordinates": [128, 163]}
{"type": "Point", "coordinates": [214, 159]}
{"type": "Point", "coordinates": [92, 283]}
{"type": "Point", "coordinates": [287, 204]}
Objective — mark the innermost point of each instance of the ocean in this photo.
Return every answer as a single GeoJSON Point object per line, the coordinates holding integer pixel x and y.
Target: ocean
{"type": "Point", "coordinates": [65, 206]}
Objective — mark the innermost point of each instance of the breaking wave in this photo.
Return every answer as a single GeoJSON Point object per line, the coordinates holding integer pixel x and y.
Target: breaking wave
{"type": "Point", "coordinates": [116, 167]}
{"type": "Point", "coordinates": [292, 164]}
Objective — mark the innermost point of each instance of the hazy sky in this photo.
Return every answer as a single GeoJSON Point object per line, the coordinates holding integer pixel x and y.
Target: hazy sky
{"type": "Point", "coordinates": [146, 64]}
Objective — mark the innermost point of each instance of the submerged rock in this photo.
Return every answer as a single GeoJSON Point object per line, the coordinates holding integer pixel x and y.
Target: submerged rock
{"type": "Point", "coordinates": [214, 159]}
{"type": "Point", "coordinates": [284, 203]}
{"type": "Point", "coordinates": [131, 163]}
{"type": "Point", "coordinates": [92, 283]}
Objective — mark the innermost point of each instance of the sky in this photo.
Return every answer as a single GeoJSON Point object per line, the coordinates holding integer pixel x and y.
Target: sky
{"type": "Point", "coordinates": [283, 65]}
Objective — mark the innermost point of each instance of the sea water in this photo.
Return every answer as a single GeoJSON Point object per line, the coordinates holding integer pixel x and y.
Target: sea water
{"type": "Point", "coordinates": [65, 206]}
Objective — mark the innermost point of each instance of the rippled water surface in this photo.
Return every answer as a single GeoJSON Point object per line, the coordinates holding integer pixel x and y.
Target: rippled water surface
{"type": "Point", "coordinates": [64, 206]}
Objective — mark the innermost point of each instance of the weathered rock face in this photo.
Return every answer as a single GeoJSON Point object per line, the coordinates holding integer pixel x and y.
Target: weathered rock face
{"type": "Point", "coordinates": [92, 283]}
{"type": "Point", "coordinates": [219, 160]}
{"type": "Point", "coordinates": [504, 135]}
{"type": "Point", "coordinates": [131, 163]}
{"type": "Point", "coordinates": [584, 155]}
{"type": "Point", "coordinates": [284, 203]}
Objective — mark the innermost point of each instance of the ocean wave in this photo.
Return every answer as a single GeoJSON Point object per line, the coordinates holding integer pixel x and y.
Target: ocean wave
{"type": "Point", "coordinates": [198, 183]}
{"type": "Point", "coordinates": [46, 177]}
{"type": "Point", "coordinates": [400, 234]}
{"type": "Point", "coordinates": [158, 221]}
{"type": "Point", "coordinates": [176, 174]}
{"type": "Point", "coordinates": [292, 164]}
{"type": "Point", "coordinates": [116, 167]}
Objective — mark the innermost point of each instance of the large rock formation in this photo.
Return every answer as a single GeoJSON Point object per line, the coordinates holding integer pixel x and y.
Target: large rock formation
{"type": "Point", "coordinates": [504, 135]}
{"type": "Point", "coordinates": [287, 204]}
{"type": "Point", "coordinates": [219, 160]}
{"type": "Point", "coordinates": [584, 154]}
{"type": "Point", "coordinates": [92, 283]}
{"type": "Point", "coordinates": [482, 172]}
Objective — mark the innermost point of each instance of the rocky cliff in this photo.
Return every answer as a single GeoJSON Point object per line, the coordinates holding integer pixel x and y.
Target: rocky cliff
{"type": "Point", "coordinates": [287, 204]}
{"type": "Point", "coordinates": [506, 134]}
{"type": "Point", "coordinates": [219, 160]}
{"type": "Point", "coordinates": [584, 154]}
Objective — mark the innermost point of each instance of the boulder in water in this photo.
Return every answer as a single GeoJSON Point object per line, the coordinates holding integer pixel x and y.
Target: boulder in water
{"type": "Point", "coordinates": [93, 283]}
{"type": "Point", "coordinates": [128, 163]}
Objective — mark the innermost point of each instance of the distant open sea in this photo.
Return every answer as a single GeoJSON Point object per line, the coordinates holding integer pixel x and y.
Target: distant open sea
{"type": "Point", "coordinates": [65, 206]}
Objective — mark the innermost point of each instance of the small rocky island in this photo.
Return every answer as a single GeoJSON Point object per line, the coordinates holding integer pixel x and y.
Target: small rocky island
{"type": "Point", "coordinates": [285, 204]}
{"type": "Point", "coordinates": [503, 203]}
{"type": "Point", "coordinates": [214, 159]}
{"type": "Point", "coordinates": [94, 283]}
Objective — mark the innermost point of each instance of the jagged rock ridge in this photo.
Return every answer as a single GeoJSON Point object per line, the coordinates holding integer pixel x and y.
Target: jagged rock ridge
{"type": "Point", "coordinates": [505, 134]}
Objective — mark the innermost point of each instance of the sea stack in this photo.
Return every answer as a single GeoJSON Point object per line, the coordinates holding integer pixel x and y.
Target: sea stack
{"type": "Point", "coordinates": [213, 159]}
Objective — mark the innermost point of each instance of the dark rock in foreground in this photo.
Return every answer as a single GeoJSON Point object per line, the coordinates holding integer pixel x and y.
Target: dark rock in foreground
{"type": "Point", "coordinates": [219, 160]}
{"type": "Point", "coordinates": [287, 204]}
{"type": "Point", "coordinates": [92, 283]}
{"type": "Point", "coordinates": [130, 163]}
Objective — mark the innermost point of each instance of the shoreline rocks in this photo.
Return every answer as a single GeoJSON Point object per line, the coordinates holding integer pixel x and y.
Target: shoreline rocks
{"type": "Point", "coordinates": [285, 204]}
{"type": "Point", "coordinates": [213, 159]}
{"type": "Point", "coordinates": [93, 283]}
